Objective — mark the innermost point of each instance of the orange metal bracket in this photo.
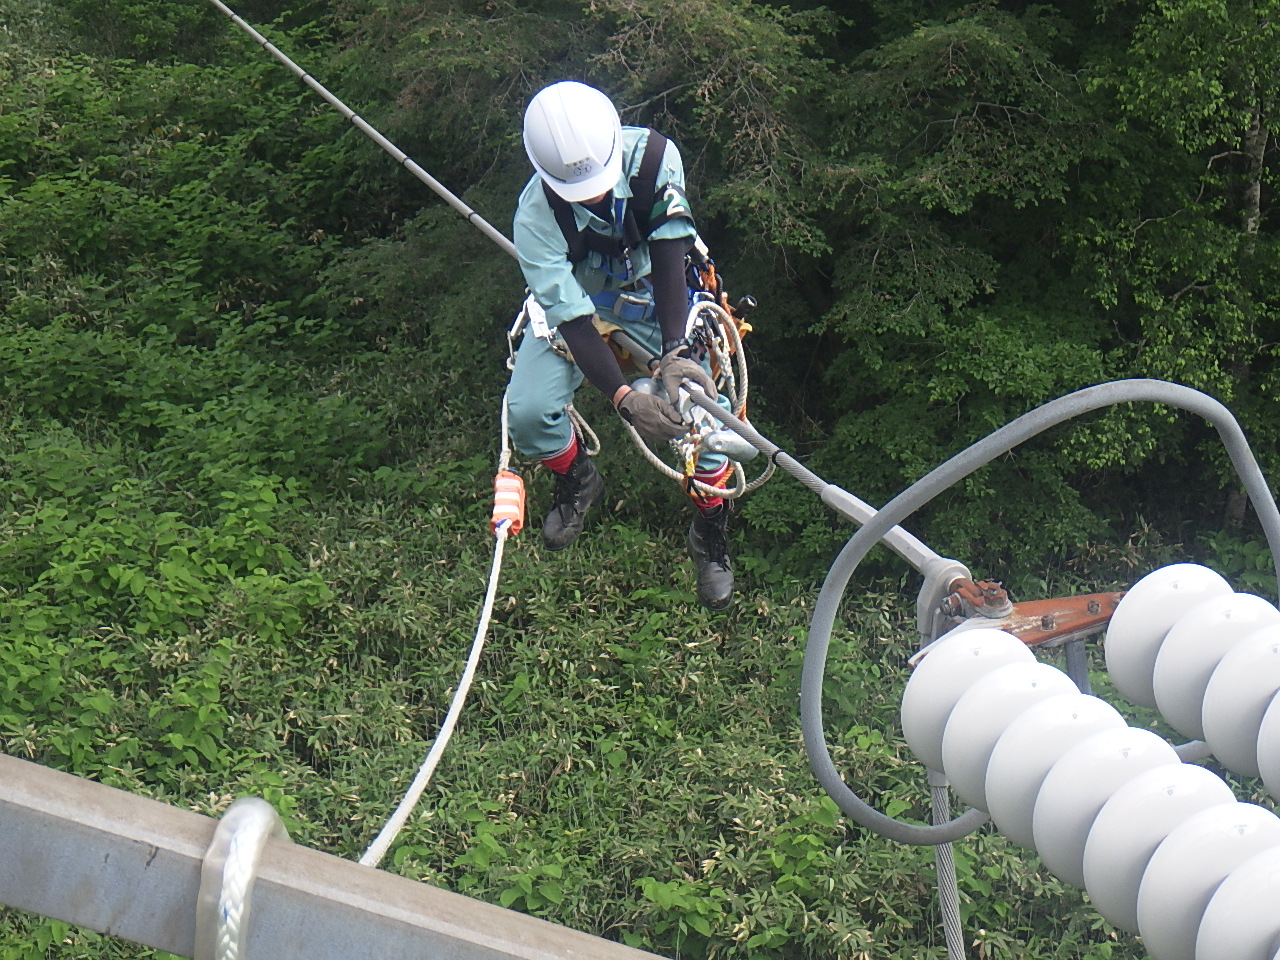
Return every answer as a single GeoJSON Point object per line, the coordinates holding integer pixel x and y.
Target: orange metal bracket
{"type": "Point", "coordinates": [1037, 623]}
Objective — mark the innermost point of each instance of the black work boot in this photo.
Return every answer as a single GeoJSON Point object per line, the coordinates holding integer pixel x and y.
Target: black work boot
{"type": "Point", "coordinates": [575, 492]}
{"type": "Point", "coordinates": [709, 550]}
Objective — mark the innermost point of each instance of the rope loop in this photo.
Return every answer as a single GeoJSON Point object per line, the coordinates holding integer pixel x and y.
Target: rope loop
{"type": "Point", "coordinates": [716, 329]}
{"type": "Point", "coordinates": [227, 875]}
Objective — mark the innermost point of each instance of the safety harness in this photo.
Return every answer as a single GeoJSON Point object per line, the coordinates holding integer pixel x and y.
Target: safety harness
{"type": "Point", "coordinates": [644, 190]}
{"type": "Point", "coordinates": [638, 218]}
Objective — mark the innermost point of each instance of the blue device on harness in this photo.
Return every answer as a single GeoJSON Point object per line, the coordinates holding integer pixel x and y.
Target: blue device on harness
{"type": "Point", "coordinates": [628, 305]}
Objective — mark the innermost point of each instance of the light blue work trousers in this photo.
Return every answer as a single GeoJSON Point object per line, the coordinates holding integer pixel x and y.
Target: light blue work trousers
{"type": "Point", "coordinates": [543, 383]}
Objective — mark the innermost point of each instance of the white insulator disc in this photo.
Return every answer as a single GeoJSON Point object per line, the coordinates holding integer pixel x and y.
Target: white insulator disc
{"type": "Point", "coordinates": [1076, 787]}
{"type": "Point", "coordinates": [1132, 823]}
{"type": "Point", "coordinates": [1187, 867]}
{"type": "Point", "coordinates": [1027, 749]}
{"type": "Point", "coordinates": [1242, 921]}
{"type": "Point", "coordinates": [1194, 646]}
{"type": "Point", "coordinates": [1269, 748]}
{"type": "Point", "coordinates": [942, 677]}
{"type": "Point", "coordinates": [1238, 694]}
{"type": "Point", "coordinates": [1143, 618]}
{"type": "Point", "coordinates": [983, 713]}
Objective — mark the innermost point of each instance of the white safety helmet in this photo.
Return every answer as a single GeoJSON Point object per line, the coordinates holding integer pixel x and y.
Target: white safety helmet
{"type": "Point", "coordinates": [574, 139]}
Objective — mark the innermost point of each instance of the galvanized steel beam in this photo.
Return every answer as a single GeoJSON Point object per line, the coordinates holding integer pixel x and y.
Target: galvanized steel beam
{"type": "Point", "coordinates": [98, 857]}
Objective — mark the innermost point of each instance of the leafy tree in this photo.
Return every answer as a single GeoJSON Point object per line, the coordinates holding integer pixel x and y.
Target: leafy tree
{"type": "Point", "coordinates": [954, 149]}
{"type": "Point", "coordinates": [1185, 257]}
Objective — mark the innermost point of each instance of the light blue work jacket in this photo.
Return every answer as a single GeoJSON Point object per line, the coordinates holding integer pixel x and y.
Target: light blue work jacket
{"type": "Point", "coordinates": [564, 289]}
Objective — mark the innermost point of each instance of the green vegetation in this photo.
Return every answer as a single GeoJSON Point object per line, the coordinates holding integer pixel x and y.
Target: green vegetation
{"type": "Point", "coordinates": [248, 425]}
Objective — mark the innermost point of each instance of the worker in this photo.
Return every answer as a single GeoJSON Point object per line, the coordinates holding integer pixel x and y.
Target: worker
{"type": "Point", "coordinates": [591, 254]}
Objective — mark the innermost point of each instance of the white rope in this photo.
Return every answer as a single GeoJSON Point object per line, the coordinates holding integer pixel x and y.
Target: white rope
{"type": "Point", "coordinates": [504, 457]}
{"type": "Point", "coordinates": [734, 372]}
{"type": "Point", "coordinates": [733, 384]}
{"type": "Point", "coordinates": [584, 430]}
{"type": "Point", "coordinates": [377, 850]}
{"type": "Point", "coordinates": [227, 875]}
{"type": "Point", "coordinates": [233, 902]}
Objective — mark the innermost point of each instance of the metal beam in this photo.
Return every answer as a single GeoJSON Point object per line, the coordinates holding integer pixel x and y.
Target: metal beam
{"type": "Point", "coordinates": [124, 865]}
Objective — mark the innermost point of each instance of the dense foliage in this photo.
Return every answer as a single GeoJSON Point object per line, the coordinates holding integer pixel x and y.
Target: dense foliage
{"type": "Point", "coordinates": [250, 374]}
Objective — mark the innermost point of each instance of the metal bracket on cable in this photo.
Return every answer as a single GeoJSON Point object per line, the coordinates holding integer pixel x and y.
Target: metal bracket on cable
{"type": "Point", "coordinates": [227, 875]}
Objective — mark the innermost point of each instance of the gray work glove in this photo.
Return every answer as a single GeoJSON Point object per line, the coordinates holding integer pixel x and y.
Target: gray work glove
{"type": "Point", "coordinates": [676, 366]}
{"type": "Point", "coordinates": [654, 419]}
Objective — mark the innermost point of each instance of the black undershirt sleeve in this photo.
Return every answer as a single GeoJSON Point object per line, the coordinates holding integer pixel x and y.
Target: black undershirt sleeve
{"type": "Point", "coordinates": [670, 289]}
{"type": "Point", "coordinates": [592, 355]}
{"type": "Point", "coordinates": [671, 301]}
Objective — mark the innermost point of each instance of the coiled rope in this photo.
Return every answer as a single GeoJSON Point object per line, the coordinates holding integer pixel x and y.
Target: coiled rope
{"type": "Point", "coordinates": [733, 385]}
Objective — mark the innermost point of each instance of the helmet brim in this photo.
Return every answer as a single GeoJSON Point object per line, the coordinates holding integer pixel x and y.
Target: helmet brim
{"type": "Point", "coordinates": [593, 186]}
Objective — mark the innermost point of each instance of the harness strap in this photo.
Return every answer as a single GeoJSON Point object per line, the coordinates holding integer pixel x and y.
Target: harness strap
{"type": "Point", "coordinates": [644, 185]}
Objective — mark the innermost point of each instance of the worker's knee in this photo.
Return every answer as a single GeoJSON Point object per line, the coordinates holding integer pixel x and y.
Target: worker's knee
{"type": "Point", "coordinates": [535, 429]}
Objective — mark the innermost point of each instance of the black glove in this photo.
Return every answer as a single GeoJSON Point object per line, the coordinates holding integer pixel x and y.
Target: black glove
{"type": "Point", "coordinates": [654, 419]}
{"type": "Point", "coordinates": [676, 365]}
